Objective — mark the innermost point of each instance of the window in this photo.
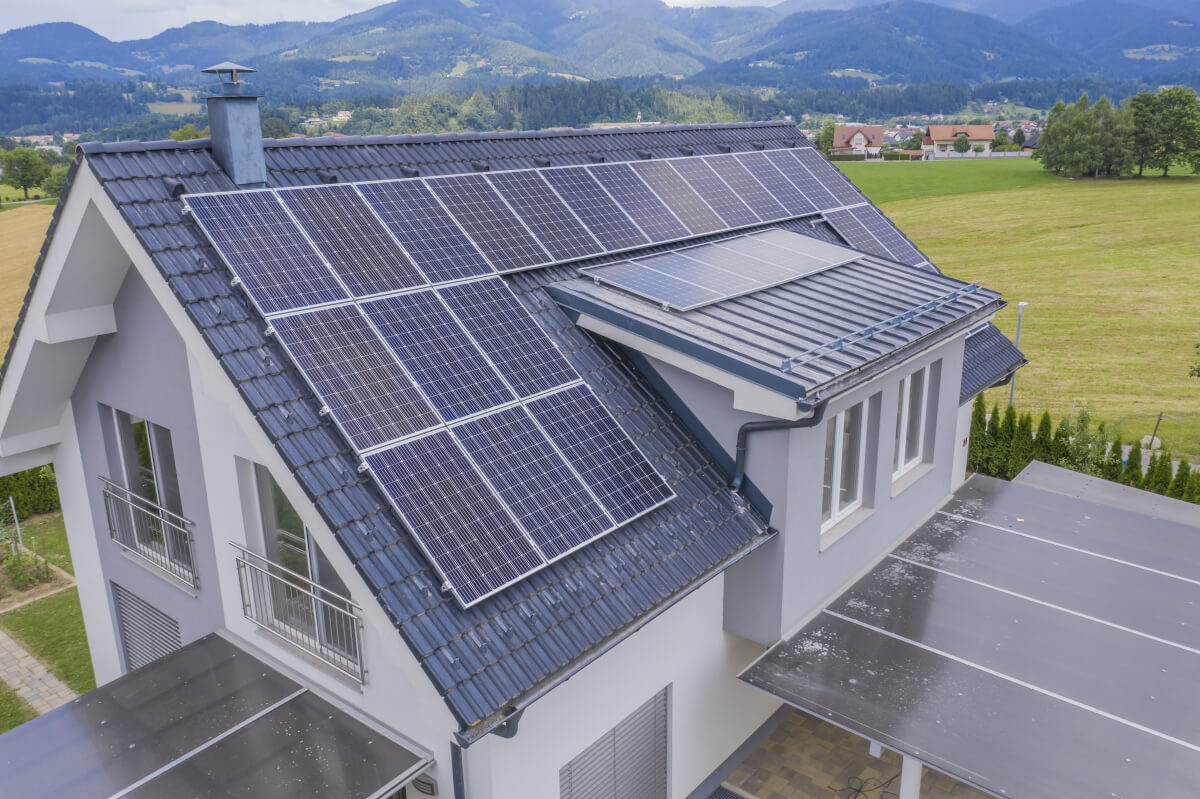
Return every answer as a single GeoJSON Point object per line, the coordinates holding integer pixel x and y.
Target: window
{"type": "Point", "coordinates": [845, 461]}
{"type": "Point", "coordinates": [630, 760]}
{"type": "Point", "coordinates": [911, 410]}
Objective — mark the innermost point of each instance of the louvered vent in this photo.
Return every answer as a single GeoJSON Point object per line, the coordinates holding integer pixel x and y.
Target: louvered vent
{"type": "Point", "coordinates": [629, 760]}
{"type": "Point", "coordinates": [146, 632]}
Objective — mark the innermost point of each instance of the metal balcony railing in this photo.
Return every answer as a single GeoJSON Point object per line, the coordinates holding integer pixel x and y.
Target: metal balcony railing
{"type": "Point", "coordinates": [301, 612]}
{"type": "Point", "coordinates": [150, 531]}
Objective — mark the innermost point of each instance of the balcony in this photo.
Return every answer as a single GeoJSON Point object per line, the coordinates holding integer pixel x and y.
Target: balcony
{"type": "Point", "coordinates": [150, 532]}
{"type": "Point", "coordinates": [303, 613]}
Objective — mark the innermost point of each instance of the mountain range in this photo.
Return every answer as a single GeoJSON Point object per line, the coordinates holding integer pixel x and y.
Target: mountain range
{"type": "Point", "coordinates": [429, 45]}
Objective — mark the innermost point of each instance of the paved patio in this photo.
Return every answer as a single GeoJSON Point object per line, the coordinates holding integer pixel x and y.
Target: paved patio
{"type": "Point", "coordinates": [29, 678]}
{"type": "Point", "coordinates": [806, 758]}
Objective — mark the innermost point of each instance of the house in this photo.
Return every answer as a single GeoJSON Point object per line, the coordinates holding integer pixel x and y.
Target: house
{"type": "Point", "coordinates": [858, 139]}
{"type": "Point", "coordinates": [939, 140]}
{"type": "Point", "coordinates": [482, 464]}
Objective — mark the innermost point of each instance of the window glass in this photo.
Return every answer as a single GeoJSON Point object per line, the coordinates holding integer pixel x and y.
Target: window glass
{"type": "Point", "coordinates": [851, 456]}
{"type": "Point", "coordinates": [897, 457]}
{"type": "Point", "coordinates": [916, 427]}
{"type": "Point", "coordinates": [827, 488]}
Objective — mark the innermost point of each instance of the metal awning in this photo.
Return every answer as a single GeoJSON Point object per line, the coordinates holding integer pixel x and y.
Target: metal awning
{"type": "Point", "coordinates": [207, 721]}
{"type": "Point", "coordinates": [1025, 640]}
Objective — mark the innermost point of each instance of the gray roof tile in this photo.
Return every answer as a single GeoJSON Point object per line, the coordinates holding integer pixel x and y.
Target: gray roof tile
{"type": "Point", "coordinates": [989, 358]}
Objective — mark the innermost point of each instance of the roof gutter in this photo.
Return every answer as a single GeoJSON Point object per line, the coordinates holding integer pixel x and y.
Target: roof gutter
{"type": "Point", "coordinates": [743, 438]}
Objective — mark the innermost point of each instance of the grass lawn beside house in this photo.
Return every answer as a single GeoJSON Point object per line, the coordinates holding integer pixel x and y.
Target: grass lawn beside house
{"type": "Point", "coordinates": [1108, 267]}
{"type": "Point", "coordinates": [51, 526]}
{"type": "Point", "coordinates": [14, 710]}
{"type": "Point", "coordinates": [52, 629]}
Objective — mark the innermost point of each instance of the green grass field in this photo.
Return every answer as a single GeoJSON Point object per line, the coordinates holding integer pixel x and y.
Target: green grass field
{"type": "Point", "coordinates": [1109, 268]}
{"type": "Point", "coordinates": [13, 709]}
{"type": "Point", "coordinates": [50, 526]}
{"type": "Point", "coordinates": [52, 629]}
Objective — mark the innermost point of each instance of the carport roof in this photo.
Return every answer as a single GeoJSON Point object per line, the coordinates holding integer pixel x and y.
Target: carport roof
{"type": "Point", "coordinates": [1025, 640]}
{"type": "Point", "coordinates": [207, 721]}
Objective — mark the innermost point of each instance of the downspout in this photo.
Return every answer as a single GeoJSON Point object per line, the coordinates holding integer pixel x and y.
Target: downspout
{"type": "Point", "coordinates": [456, 771]}
{"type": "Point", "coordinates": [739, 466]}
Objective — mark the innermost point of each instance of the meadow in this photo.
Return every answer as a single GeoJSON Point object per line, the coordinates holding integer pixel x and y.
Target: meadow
{"type": "Point", "coordinates": [22, 229]}
{"type": "Point", "coordinates": [1109, 268]}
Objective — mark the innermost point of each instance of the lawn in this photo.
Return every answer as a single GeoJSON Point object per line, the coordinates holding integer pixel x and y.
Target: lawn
{"type": "Point", "coordinates": [13, 709]}
{"type": "Point", "coordinates": [1109, 268]}
{"type": "Point", "coordinates": [52, 629]}
{"type": "Point", "coordinates": [22, 229]}
{"type": "Point", "coordinates": [49, 525]}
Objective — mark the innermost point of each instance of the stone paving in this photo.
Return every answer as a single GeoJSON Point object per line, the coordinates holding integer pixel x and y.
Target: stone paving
{"type": "Point", "coordinates": [29, 678]}
{"type": "Point", "coordinates": [807, 758]}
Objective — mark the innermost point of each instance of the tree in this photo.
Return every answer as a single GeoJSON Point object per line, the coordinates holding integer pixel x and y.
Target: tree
{"type": "Point", "coordinates": [1082, 448]}
{"type": "Point", "coordinates": [975, 450]}
{"type": "Point", "coordinates": [1183, 474]}
{"type": "Point", "coordinates": [1021, 449]}
{"type": "Point", "coordinates": [23, 169]}
{"type": "Point", "coordinates": [987, 462]}
{"type": "Point", "coordinates": [1114, 130]}
{"type": "Point", "coordinates": [1158, 477]}
{"type": "Point", "coordinates": [913, 142]}
{"type": "Point", "coordinates": [275, 128]}
{"type": "Point", "coordinates": [1144, 108]}
{"type": "Point", "coordinates": [1192, 492]}
{"type": "Point", "coordinates": [1179, 130]}
{"type": "Point", "coordinates": [1059, 444]}
{"type": "Point", "coordinates": [1001, 139]}
{"type": "Point", "coordinates": [825, 140]}
{"type": "Point", "coordinates": [961, 143]}
{"type": "Point", "coordinates": [1150, 473]}
{"type": "Point", "coordinates": [1111, 468]}
{"type": "Point", "coordinates": [1132, 475]}
{"type": "Point", "coordinates": [1043, 447]}
{"type": "Point", "coordinates": [1018, 136]}
{"type": "Point", "coordinates": [55, 181]}
{"type": "Point", "coordinates": [188, 132]}
{"type": "Point", "coordinates": [1005, 434]}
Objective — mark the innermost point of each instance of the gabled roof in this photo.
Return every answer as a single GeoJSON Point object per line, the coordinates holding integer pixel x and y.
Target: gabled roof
{"type": "Point", "coordinates": [505, 652]}
{"type": "Point", "coordinates": [972, 132]}
{"type": "Point", "coordinates": [989, 359]}
{"type": "Point", "coordinates": [842, 134]}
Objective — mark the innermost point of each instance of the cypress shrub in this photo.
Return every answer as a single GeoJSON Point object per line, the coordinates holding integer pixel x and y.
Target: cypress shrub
{"type": "Point", "coordinates": [1005, 433]}
{"type": "Point", "coordinates": [1111, 468]}
{"type": "Point", "coordinates": [1158, 478]}
{"type": "Point", "coordinates": [989, 442]}
{"type": "Point", "coordinates": [975, 449]}
{"type": "Point", "coordinates": [33, 491]}
{"type": "Point", "coordinates": [1020, 451]}
{"type": "Point", "coordinates": [1149, 474]}
{"type": "Point", "coordinates": [1132, 474]}
{"type": "Point", "coordinates": [1043, 447]}
{"type": "Point", "coordinates": [1059, 444]}
{"type": "Point", "coordinates": [1179, 484]}
{"type": "Point", "coordinates": [1192, 493]}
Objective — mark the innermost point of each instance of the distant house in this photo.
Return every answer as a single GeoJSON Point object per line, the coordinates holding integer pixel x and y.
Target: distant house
{"type": "Point", "coordinates": [939, 139]}
{"type": "Point", "coordinates": [1031, 143]}
{"type": "Point", "coordinates": [858, 139]}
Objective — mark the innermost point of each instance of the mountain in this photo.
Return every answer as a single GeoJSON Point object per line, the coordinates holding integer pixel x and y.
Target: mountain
{"type": "Point", "coordinates": [1010, 12]}
{"type": "Point", "coordinates": [36, 53]}
{"type": "Point", "coordinates": [1122, 39]}
{"type": "Point", "coordinates": [898, 42]}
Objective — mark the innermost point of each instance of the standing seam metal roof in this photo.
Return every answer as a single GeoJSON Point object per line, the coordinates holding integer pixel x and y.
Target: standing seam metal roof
{"type": "Point", "coordinates": [506, 651]}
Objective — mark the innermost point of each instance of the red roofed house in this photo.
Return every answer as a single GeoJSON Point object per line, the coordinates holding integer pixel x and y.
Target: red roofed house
{"type": "Point", "coordinates": [858, 139]}
{"type": "Point", "coordinates": [939, 139]}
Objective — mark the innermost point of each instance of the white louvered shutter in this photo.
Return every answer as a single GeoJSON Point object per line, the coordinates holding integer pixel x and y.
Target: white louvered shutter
{"type": "Point", "coordinates": [627, 762]}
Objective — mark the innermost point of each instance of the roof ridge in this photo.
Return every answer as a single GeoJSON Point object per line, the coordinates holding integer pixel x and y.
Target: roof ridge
{"type": "Point", "coordinates": [94, 147]}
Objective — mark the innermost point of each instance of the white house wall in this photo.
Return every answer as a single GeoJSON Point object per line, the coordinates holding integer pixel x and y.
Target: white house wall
{"type": "Point", "coordinates": [710, 711]}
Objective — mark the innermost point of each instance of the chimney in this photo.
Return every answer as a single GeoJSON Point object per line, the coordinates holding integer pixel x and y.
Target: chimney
{"type": "Point", "coordinates": [236, 128]}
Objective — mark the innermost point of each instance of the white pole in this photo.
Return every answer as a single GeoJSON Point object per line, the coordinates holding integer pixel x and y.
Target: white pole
{"type": "Point", "coordinates": [1012, 384]}
{"type": "Point", "coordinates": [16, 523]}
{"type": "Point", "coordinates": [910, 778]}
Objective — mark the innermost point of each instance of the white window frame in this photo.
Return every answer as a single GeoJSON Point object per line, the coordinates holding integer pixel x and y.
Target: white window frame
{"type": "Point", "coordinates": [900, 466]}
{"type": "Point", "coordinates": [837, 513]}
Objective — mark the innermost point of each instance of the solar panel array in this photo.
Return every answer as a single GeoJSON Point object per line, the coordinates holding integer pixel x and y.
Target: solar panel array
{"type": "Point", "coordinates": [867, 229]}
{"type": "Point", "coordinates": [696, 276]}
{"type": "Point", "coordinates": [485, 440]}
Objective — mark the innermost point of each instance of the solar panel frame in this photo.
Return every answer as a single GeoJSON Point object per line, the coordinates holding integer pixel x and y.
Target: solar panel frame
{"type": "Point", "coordinates": [775, 182]}
{"type": "Point", "coordinates": [688, 206]}
{"type": "Point", "coordinates": [541, 489]}
{"type": "Point", "coordinates": [746, 186]}
{"type": "Point", "coordinates": [552, 222]}
{"type": "Point", "coordinates": [454, 374]}
{"type": "Point", "coordinates": [396, 410]}
{"type": "Point", "coordinates": [429, 234]}
{"type": "Point", "coordinates": [574, 419]}
{"type": "Point", "coordinates": [360, 250]}
{"type": "Point", "coordinates": [491, 551]}
{"type": "Point", "coordinates": [279, 266]}
{"type": "Point", "coordinates": [489, 222]}
{"type": "Point", "coordinates": [716, 192]}
{"type": "Point", "coordinates": [804, 180]}
{"type": "Point", "coordinates": [611, 226]}
{"type": "Point", "coordinates": [639, 201]}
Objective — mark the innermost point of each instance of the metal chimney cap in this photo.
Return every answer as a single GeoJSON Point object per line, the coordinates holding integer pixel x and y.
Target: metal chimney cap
{"type": "Point", "coordinates": [226, 66]}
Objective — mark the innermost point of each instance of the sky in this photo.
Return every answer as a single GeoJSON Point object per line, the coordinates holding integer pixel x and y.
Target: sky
{"type": "Point", "coordinates": [138, 19]}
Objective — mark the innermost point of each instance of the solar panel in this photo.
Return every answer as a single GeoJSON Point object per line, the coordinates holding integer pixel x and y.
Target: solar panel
{"type": "Point", "coordinates": [760, 271]}
{"type": "Point", "coordinates": [465, 531]}
{"type": "Point", "coordinates": [829, 175]}
{"type": "Point", "coordinates": [434, 240]}
{"type": "Point", "coordinates": [636, 277]}
{"type": "Point", "coordinates": [774, 181]}
{"type": "Point", "coordinates": [747, 187]}
{"type": "Point", "coordinates": [352, 239]}
{"type": "Point", "coordinates": [889, 236]}
{"type": "Point", "coordinates": [490, 223]}
{"type": "Point", "coordinates": [609, 462]}
{"type": "Point", "coordinates": [800, 255]}
{"type": "Point", "coordinates": [611, 226]}
{"type": "Point", "coordinates": [715, 192]}
{"type": "Point", "coordinates": [678, 264]}
{"type": "Point", "coordinates": [532, 478]}
{"type": "Point", "coordinates": [552, 222]}
{"type": "Point", "coordinates": [266, 251]}
{"type": "Point", "coordinates": [636, 199]}
{"type": "Point", "coordinates": [355, 375]}
{"type": "Point", "coordinates": [802, 179]}
{"type": "Point", "coordinates": [679, 196]}
{"type": "Point", "coordinates": [437, 352]}
{"type": "Point", "coordinates": [855, 233]}
{"type": "Point", "coordinates": [503, 329]}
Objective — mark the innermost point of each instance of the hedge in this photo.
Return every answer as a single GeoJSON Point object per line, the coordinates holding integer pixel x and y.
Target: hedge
{"type": "Point", "coordinates": [848, 157]}
{"type": "Point", "coordinates": [34, 491]}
